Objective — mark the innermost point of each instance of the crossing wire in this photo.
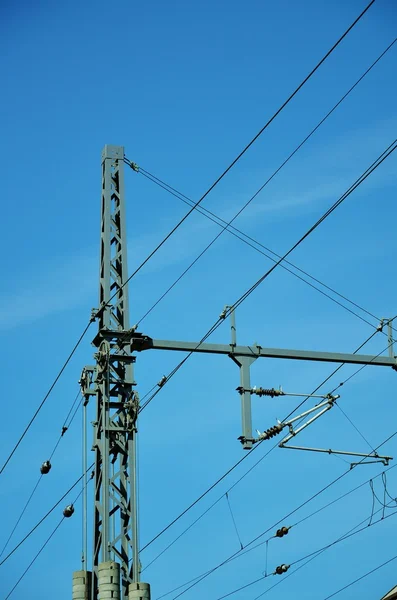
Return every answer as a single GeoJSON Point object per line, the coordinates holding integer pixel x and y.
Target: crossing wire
{"type": "Point", "coordinates": [381, 158]}
{"type": "Point", "coordinates": [207, 510]}
{"type": "Point", "coordinates": [362, 577]}
{"type": "Point", "coordinates": [41, 475]}
{"type": "Point", "coordinates": [232, 164]}
{"type": "Point", "coordinates": [307, 517]}
{"type": "Point", "coordinates": [278, 522]}
{"type": "Point", "coordinates": [228, 472]}
{"type": "Point", "coordinates": [223, 174]}
{"type": "Point", "coordinates": [246, 238]}
{"type": "Point", "coordinates": [318, 553]}
{"type": "Point", "coordinates": [28, 426]}
{"type": "Point", "coordinates": [40, 551]}
{"type": "Point", "coordinates": [45, 516]}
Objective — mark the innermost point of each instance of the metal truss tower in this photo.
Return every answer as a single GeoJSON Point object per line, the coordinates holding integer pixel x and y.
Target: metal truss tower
{"type": "Point", "coordinates": [111, 382]}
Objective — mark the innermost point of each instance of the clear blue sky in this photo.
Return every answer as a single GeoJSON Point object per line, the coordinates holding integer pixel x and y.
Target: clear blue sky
{"type": "Point", "coordinates": [184, 86]}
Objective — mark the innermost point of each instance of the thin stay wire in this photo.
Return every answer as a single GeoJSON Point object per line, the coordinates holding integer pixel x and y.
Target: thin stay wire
{"type": "Point", "coordinates": [232, 468]}
{"type": "Point", "coordinates": [45, 516]}
{"type": "Point", "coordinates": [280, 521]}
{"type": "Point", "coordinates": [46, 397]}
{"type": "Point", "coordinates": [40, 551]}
{"type": "Point", "coordinates": [183, 219]}
{"type": "Point", "coordinates": [309, 516]}
{"type": "Point", "coordinates": [240, 155]}
{"type": "Point", "coordinates": [248, 239]}
{"type": "Point", "coordinates": [41, 475]}
{"type": "Point", "coordinates": [385, 154]}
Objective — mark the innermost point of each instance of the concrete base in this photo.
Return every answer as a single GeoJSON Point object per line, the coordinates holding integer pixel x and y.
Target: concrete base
{"type": "Point", "coordinates": [139, 591]}
{"type": "Point", "coordinates": [109, 581]}
{"type": "Point", "coordinates": [82, 585]}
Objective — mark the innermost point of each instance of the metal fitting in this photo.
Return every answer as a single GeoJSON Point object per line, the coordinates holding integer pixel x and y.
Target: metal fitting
{"type": "Point", "coordinates": [45, 467]}
{"type": "Point", "coordinates": [282, 532]}
{"type": "Point", "coordinates": [68, 510]}
{"type": "Point", "coordinates": [281, 569]}
{"type": "Point", "coordinates": [162, 381]}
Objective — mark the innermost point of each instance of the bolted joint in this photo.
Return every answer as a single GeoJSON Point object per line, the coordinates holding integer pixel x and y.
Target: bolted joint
{"type": "Point", "coordinates": [281, 569]}
{"type": "Point", "coordinates": [94, 314]}
{"type": "Point", "coordinates": [134, 167]}
{"type": "Point", "coordinates": [332, 398]}
{"type": "Point", "coordinates": [243, 440]}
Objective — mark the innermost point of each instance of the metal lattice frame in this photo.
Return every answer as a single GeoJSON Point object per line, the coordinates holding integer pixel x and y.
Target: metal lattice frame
{"type": "Point", "coordinates": [115, 514]}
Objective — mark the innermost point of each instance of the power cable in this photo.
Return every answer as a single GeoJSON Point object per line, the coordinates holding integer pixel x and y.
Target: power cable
{"type": "Point", "coordinates": [385, 154]}
{"type": "Point", "coordinates": [237, 232]}
{"type": "Point", "coordinates": [45, 516]}
{"type": "Point", "coordinates": [229, 471]}
{"type": "Point", "coordinates": [34, 559]}
{"type": "Point", "coordinates": [181, 222]}
{"type": "Point", "coordinates": [278, 522]}
{"type": "Point", "coordinates": [246, 239]}
{"type": "Point", "coordinates": [285, 103]}
{"type": "Point", "coordinates": [45, 397]}
{"type": "Point", "coordinates": [313, 557]}
{"type": "Point", "coordinates": [246, 294]}
{"type": "Point", "coordinates": [307, 517]}
{"type": "Point", "coordinates": [64, 429]}
{"type": "Point", "coordinates": [362, 577]}
{"type": "Point", "coordinates": [40, 550]}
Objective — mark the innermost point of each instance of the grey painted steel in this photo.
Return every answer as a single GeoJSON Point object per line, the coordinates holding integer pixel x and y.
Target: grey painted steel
{"type": "Point", "coordinates": [139, 591]}
{"type": "Point", "coordinates": [111, 382]}
{"type": "Point", "coordinates": [245, 362]}
{"type": "Point", "coordinates": [81, 586]}
{"type": "Point", "coordinates": [260, 352]}
{"type": "Point", "coordinates": [84, 554]}
{"type": "Point", "coordinates": [384, 459]}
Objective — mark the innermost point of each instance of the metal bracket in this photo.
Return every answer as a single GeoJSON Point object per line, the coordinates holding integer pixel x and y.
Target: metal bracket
{"type": "Point", "coordinates": [383, 459]}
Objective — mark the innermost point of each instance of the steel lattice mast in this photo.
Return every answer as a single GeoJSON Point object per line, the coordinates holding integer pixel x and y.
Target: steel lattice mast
{"type": "Point", "coordinates": [111, 382]}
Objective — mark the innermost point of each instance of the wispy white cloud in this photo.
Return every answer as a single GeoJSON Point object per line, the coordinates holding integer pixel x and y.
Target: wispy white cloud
{"type": "Point", "coordinates": [312, 183]}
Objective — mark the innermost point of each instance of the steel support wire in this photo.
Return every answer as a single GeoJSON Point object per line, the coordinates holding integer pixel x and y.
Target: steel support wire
{"type": "Point", "coordinates": [40, 550]}
{"type": "Point", "coordinates": [345, 587]}
{"type": "Point", "coordinates": [382, 157]}
{"type": "Point", "coordinates": [278, 522]}
{"type": "Point", "coordinates": [241, 154]}
{"type": "Point", "coordinates": [232, 469]}
{"type": "Point", "coordinates": [65, 427]}
{"type": "Point", "coordinates": [185, 217]}
{"type": "Point", "coordinates": [307, 517]}
{"type": "Point", "coordinates": [318, 553]}
{"type": "Point", "coordinates": [45, 516]}
{"type": "Point", "coordinates": [313, 555]}
{"type": "Point", "coordinates": [248, 239]}
{"type": "Point", "coordinates": [28, 426]}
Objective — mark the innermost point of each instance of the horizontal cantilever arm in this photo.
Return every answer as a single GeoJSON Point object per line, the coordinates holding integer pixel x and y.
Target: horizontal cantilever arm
{"type": "Point", "coordinates": [370, 455]}
{"type": "Point", "coordinates": [140, 342]}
